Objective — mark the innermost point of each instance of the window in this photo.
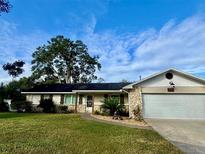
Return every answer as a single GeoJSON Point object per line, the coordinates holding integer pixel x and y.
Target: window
{"type": "Point", "coordinates": [115, 96]}
{"type": "Point", "coordinates": [80, 99]}
{"type": "Point", "coordinates": [70, 99]}
{"type": "Point", "coordinates": [105, 96]}
{"type": "Point", "coordinates": [121, 99]}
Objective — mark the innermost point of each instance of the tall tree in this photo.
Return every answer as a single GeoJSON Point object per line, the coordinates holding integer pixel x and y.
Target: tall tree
{"type": "Point", "coordinates": [5, 6]}
{"type": "Point", "coordinates": [12, 90]}
{"type": "Point", "coordinates": [64, 61]}
{"type": "Point", "coordinates": [14, 69]}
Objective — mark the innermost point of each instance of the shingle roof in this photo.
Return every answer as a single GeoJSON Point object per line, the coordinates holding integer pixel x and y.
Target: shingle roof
{"type": "Point", "coordinates": [77, 86]}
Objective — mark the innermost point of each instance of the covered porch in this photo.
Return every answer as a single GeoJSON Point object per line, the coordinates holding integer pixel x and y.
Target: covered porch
{"type": "Point", "coordinates": [89, 101]}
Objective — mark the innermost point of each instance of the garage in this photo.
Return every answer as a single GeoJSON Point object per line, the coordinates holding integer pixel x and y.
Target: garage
{"type": "Point", "coordinates": [174, 106]}
{"type": "Point", "coordinates": [170, 94]}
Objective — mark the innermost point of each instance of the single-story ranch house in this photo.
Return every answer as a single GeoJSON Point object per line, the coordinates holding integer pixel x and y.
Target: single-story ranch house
{"type": "Point", "coordinates": [170, 94]}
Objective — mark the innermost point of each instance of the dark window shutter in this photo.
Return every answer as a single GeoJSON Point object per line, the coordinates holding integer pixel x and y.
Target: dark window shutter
{"type": "Point", "coordinates": [51, 97]}
{"type": "Point", "coordinates": [62, 99]}
{"type": "Point", "coordinates": [42, 97]}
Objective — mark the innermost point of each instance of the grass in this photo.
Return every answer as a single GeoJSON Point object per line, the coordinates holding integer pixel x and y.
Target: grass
{"type": "Point", "coordinates": [68, 133]}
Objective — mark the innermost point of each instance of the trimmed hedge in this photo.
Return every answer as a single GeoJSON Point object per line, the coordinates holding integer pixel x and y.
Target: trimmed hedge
{"type": "Point", "coordinates": [61, 109]}
{"type": "Point", "coordinates": [22, 106]}
{"type": "Point", "coordinates": [47, 105]}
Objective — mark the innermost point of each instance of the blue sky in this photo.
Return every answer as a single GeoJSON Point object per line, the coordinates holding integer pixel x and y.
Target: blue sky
{"type": "Point", "coordinates": [132, 37]}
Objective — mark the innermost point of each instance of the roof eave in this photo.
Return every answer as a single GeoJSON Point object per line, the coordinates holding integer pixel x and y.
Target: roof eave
{"type": "Point", "coordinates": [27, 92]}
{"type": "Point", "coordinates": [76, 91]}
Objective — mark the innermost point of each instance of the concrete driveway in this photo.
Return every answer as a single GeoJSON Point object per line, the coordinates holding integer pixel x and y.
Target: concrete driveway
{"type": "Point", "coordinates": [187, 135]}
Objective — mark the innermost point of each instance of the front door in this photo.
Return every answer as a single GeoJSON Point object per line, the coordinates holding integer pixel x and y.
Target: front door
{"type": "Point", "coordinates": [89, 104]}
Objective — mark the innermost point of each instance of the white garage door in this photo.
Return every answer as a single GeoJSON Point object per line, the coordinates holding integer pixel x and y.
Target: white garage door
{"type": "Point", "coordinates": [174, 106]}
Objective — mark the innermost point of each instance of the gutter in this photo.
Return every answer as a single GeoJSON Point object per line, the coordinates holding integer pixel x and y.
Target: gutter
{"type": "Point", "coordinates": [48, 92]}
{"type": "Point", "coordinates": [76, 91]}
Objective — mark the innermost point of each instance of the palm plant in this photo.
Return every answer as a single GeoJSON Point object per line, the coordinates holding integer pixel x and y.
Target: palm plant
{"type": "Point", "coordinates": [112, 104]}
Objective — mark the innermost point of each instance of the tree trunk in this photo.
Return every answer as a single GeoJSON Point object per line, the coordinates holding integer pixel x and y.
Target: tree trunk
{"type": "Point", "coordinates": [68, 77]}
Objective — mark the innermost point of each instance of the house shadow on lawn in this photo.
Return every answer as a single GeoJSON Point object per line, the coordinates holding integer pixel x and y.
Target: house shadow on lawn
{"type": "Point", "coordinates": [8, 115]}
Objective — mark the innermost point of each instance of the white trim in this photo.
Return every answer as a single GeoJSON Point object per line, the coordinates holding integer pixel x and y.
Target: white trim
{"type": "Point", "coordinates": [47, 92]}
{"type": "Point", "coordinates": [130, 86]}
{"type": "Point", "coordinates": [96, 91]}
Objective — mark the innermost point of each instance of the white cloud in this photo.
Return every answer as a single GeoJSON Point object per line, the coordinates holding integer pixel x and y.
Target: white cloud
{"type": "Point", "coordinates": [17, 46]}
{"type": "Point", "coordinates": [123, 56]}
{"type": "Point", "coordinates": [126, 56]}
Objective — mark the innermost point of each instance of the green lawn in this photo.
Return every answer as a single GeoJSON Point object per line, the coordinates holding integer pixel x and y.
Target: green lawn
{"type": "Point", "coordinates": [68, 133]}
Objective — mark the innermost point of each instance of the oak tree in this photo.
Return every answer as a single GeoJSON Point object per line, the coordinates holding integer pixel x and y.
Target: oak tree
{"type": "Point", "coordinates": [64, 61]}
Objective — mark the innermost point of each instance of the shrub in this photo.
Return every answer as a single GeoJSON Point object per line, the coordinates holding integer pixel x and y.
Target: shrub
{"type": "Point", "coordinates": [62, 109]}
{"type": "Point", "coordinates": [105, 113]}
{"type": "Point", "coordinates": [37, 109]}
{"type": "Point", "coordinates": [22, 106]}
{"type": "Point", "coordinates": [71, 111]}
{"type": "Point", "coordinates": [4, 107]}
{"type": "Point", "coordinates": [137, 113]}
{"type": "Point", "coordinates": [124, 113]}
{"type": "Point", "coordinates": [97, 112]}
{"type": "Point", "coordinates": [47, 105]}
{"type": "Point", "coordinates": [111, 105]}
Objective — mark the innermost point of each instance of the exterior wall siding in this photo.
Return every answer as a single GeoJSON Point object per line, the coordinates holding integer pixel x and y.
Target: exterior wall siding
{"type": "Point", "coordinates": [29, 98]}
{"type": "Point", "coordinates": [97, 100]}
{"type": "Point", "coordinates": [36, 99]}
{"type": "Point", "coordinates": [81, 108]}
{"type": "Point", "coordinates": [57, 99]}
{"type": "Point", "coordinates": [178, 80]}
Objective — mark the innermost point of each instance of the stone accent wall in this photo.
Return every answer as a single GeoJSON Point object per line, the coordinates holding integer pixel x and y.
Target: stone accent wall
{"type": "Point", "coordinates": [135, 98]}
